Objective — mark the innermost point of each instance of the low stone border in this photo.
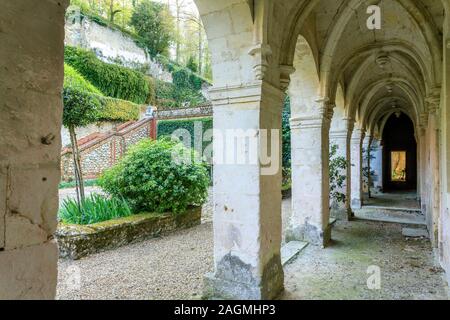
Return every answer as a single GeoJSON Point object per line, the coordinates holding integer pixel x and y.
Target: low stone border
{"type": "Point", "coordinates": [77, 241]}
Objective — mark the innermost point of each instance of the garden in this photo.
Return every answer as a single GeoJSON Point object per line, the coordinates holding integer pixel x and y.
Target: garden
{"type": "Point", "coordinates": [155, 188]}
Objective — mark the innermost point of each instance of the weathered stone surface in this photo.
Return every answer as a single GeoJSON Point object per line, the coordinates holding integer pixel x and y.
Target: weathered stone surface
{"type": "Point", "coordinates": [77, 241]}
{"type": "Point", "coordinates": [291, 250]}
{"type": "Point", "coordinates": [235, 279]}
{"type": "Point", "coordinates": [3, 181]}
{"type": "Point", "coordinates": [309, 233]}
{"type": "Point", "coordinates": [29, 273]}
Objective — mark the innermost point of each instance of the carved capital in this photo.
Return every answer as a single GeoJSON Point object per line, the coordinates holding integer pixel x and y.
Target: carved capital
{"type": "Point", "coordinates": [423, 120]}
{"type": "Point", "coordinates": [261, 54]}
{"type": "Point", "coordinates": [285, 76]}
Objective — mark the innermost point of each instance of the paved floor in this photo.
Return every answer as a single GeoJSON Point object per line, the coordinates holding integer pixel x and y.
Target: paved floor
{"type": "Point", "coordinates": [397, 200]}
{"type": "Point", "coordinates": [172, 267]}
{"type": "Point", "coordinates": [340, 272]}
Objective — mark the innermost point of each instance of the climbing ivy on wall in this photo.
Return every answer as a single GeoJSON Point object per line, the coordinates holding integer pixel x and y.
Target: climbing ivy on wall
{"type": "Point", "coordinates": [171, 96]}
{"type": "Point", "coordinates": [167, 127]}
{"type": "Point", "coordinates": [113, 80]}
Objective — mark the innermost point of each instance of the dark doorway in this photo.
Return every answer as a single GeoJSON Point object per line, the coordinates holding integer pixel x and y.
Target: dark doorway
{"type": "Point", "coordinates": [400, 154]}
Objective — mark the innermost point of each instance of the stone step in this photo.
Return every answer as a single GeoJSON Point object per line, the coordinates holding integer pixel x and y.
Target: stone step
{"type": "Point", "coordinates": [404, 216]}
{"type": "Point", "coordinates": [290, 251]}
{"type": "Point", "coordinates": [415, 233]}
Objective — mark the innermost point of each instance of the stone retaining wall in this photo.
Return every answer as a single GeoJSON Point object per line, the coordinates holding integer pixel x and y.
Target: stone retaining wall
{"type": "Point", "coordinates": [77, 241]}
{"type": "Point", "coordinates": [100, 151]}
{"type": "Point", "coordinates": [185, 113]}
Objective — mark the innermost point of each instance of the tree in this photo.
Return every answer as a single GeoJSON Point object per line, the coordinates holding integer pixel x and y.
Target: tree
{"type": "Point", "coordinates": [154, 23]}
{"type": "Point", "coordinates": [191, 64]}
{"type": "Point", "coordinates": [81, 107]}
{"type": "Point", "coordinates": [338, 167]}
{"type": "Point", "coordinates": [112, 11]}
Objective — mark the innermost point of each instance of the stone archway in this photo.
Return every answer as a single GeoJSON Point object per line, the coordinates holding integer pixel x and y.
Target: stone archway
{"type": "Point", "coordinates": [399, 154]}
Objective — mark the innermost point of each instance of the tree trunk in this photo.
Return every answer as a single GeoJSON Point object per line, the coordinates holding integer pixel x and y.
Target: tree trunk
{"type": "Point", "coordinates": [177, 53]}
{"type": "Point", "coordinates": [111, 11]}
{"type": "Point", "coordinates": [77, 166]}
{"type": "Point", "coordinates": [200, 47]}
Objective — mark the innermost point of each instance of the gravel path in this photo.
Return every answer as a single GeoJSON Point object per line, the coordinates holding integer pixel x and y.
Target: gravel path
{"type": "Point", "coordinates": [173, 266]}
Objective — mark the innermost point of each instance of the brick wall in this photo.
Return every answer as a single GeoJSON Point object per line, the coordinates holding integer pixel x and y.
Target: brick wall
{"type": "Point", "coordinates": [100, 151]}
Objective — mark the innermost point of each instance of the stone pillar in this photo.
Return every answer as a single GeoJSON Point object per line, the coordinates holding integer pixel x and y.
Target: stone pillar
{"type": "Point", "coordinates": [423, 161]}
{"type": "Point", "coordinates": [356, 168]}
{"type": "Point", "coordinates": [366, 165]}
{"type": "Point", "coordinates": [377, 164]}
{"type": "Point", "coordinates": [247, 194]}
{"type": "Point", "coordinates": [434, 187]}
{"type": "Point", "coordinates": [343, 211]}
{"type": "Point", "coordinates": [30, 144]}
{"type": "Point", "coordinates": [310, 176]}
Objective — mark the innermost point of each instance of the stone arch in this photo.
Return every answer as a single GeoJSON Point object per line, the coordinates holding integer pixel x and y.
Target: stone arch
{"type": "Point", "coordinates": [304, 86]}
{"type": "Point", "coordinates": [357, 107]}
{"type": "Point", "coordinates": [329, 52]}
{"type": "Point", "coordinates": [400, 52]}
{"type": "Point", "coordinates": [230, 31]}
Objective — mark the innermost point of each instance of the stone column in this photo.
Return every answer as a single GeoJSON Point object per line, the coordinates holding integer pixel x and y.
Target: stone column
{"type": "Point", "coordinates": [366, 165]}
{"type": "Point", "coordinates": [423, 161]}
{"type": "Point", "coordinates": [247, 194]}
{"type": "Point", "coordinates": [342, 138]}
{"type": "Point", "coordinates": [30, 144]}
{"type": "Point", "coordinates": [434, 188]}
{"type": "Point", "coordinates": [310, 176]}
{"type": "Point", "coordinates": [356, 168]}
{"type": "Point", "coordinates": [377, 164]}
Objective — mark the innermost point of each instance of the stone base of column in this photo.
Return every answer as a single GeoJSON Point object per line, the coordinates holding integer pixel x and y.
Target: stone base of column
{"type": "Point", "coordinates": [311, 234]}
{"type": "Point", "coordinates": [356, 204]}
{"type": "Point", "coordinates": [29, 273]}
{"type": "Point", "coordinates": [235, 280]}
{"type": "Point", "coordinates": [342, 214]}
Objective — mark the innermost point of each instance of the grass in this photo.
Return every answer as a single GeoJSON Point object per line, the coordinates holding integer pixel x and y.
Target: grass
{"type": "Point", "coordinates": [95, 208]}
{"type": "Point", "coordinates": [71, 184]}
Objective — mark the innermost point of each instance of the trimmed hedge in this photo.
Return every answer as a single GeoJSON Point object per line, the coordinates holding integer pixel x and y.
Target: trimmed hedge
{"type": "Point", "coordinates": [73, 79]}
{"type": "Point", "coordinates": [167, 127]}
{"type": "Point", "coordinates": [83, 103]}
{"type": "Point", "coordinates": [113, 80]}
{"type": "Point", "coordinates": [118, 110]}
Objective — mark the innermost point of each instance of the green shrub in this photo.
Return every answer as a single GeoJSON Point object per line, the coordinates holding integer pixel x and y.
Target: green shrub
{"type": "Point", "coordinates": [286, 133]}
{"type": "Point", "coordinates": [118, 110]}
{"type": "Point", "coordinates": [149, 179]}
{"type": "Point", "coordinates": [167, 127]}
{"type": "Point", "coordinates": [171, 96]}
{"type": "Point", "coordinates": [338, 166]}
{"type": "Point", "coordinates": [75, 80]}
{"type": "Point", "coordinates": [80, 107]}
{"type": "Point", "coordinates": [113, 80]}
{"type": "Point", "coordinates": [93, 209]}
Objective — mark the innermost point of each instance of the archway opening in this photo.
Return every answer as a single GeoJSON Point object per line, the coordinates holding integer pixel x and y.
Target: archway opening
{"type": "Point", "coordinates": [399, 154]}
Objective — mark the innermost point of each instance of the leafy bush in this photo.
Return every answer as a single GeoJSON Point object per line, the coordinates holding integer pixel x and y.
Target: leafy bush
{"type": "Point", "coordinates": [171, 96]}
{"type": "Point", "coordinates": [286, 133]}
{"type": "Point", "coordinates": [113, 80]}
{"type": "Point", "coordinates": [93, 209]}
{"type": "Point", "coordinates": [149, 179]}
{"type": "Point", "coordinates": [167, 127]}
{"type": "Point", "coordinates": [80, 107]}
{"type": "Point", "coordinates": [338, 165]}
